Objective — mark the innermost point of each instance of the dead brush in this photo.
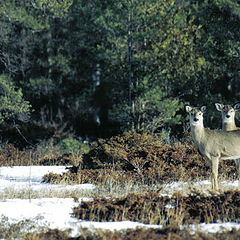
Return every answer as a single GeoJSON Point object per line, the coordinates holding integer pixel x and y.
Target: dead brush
{"type": "Point", "coordinates": [12, 156]}
{"type": "Point", "coordinates": [149, 209]}
{"type": "Point", "coordinates": [145, 156]}
{"type": "Point", "coordinates": [155, 209]}
{"type": "Point", "coordinates": [169, 232]}
{"type": "Point", "coordinates": [153, 161]}
{"type": "Point", "coordinates": [93, 176]}
{"type": "Point", "coordinates": [139, 158]}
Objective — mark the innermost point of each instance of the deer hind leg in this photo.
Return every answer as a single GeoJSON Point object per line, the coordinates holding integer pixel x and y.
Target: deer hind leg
{"type": "Point", "coordinates": [214, 174]}
{"type": "Point", "coordinates": [238, 170]}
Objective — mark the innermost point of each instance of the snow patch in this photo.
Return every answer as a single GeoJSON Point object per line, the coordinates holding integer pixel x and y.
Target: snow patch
{"type": "Point", "coordinates": [57, 212]}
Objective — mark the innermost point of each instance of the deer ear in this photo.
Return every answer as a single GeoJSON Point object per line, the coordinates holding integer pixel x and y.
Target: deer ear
{"type": "Point", "coordinates": [203, 109]}
{"type": "Point", "coordinates": [236, 106]}
{"type": "Point", "coordinates": [188, 108]}
{"type": "Point", "coordinates": [219, 106]}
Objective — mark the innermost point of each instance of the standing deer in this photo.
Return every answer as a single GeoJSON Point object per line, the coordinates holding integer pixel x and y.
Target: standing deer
{"type": "Point", "coordinates": [215, 145]}
{"type": "Point", "coordinates": [228, 124]}
{"type": "Point", "coordinates": [228, 115]}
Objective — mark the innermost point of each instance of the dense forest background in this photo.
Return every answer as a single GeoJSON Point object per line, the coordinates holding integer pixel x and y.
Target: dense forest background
{"type": "Point", "coordinates": [95, 68]}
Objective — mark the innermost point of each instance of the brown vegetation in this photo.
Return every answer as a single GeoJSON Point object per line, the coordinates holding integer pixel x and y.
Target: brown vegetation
{"type": "Point", "coordinates": [169, 232]}
{"type": "Point", "coordinates": [151, 208]}
{"type": "Point", "coordinates": [152, 160]}
{"type": "Point", "coordinates": [131, 156]}
{"type": "Point", "coordinates": [139, 158]}
{"type": "Point", "coordinates": [142, 158]}
{"type": "Point", "coordinates": [93, 176]}
{"type": "Point", "coordinates": [12, 156]}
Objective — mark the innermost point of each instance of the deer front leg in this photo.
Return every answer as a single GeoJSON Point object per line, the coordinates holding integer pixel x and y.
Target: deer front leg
{"type": "Point", "coordinates": [214, 175]}
{"type": "Point", "coordinates": [238, 171]}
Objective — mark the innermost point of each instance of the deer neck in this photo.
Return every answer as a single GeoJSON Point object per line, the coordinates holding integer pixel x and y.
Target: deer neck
{"type": "Point", "coordinates": [198, 133]}
{"type": "Point", "coordinates": [226, 126]}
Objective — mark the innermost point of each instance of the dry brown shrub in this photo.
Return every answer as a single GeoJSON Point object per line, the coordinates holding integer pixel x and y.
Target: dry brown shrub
{"type": "Point", "coordinates": [143, 158]}
{"type": "Point", "coordinates": [12, 156]}
{"type": "Point", "coordinates": [154, 209]}
{"type": "Point", "coordinates": [150, 159]}
{"type": "Point", "coordinates": [64, 159]}
{"type": "Point", "coordinates": [93, 176]}
{"type": "Point", "coordinates": [209, 209]}
{"type": "Point", "coordinates": [51, 234]}
{"type": "Point", "coordinates": [169, 232]}
{"type": "Point", "coordinates": [120, 209]}
{"type": "Point", "coordinates": [53, 178]}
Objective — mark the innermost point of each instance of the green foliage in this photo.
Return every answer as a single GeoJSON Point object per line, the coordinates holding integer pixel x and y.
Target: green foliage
{"type": "Point", "coordinates": [41, 86]}
{"type": "Point", "coordinates": [219, 45]}
{"type": "Point", "coordinates": [14, 11]}
{"type": "Point", "coordinates": [152, 112]}
{"type": "Point", "coordinates": [154, 56]}
{"type": "Point", "coordinates": [161, 111]}
{"type": "Point", "coordinates": [58, 9]}
{"type": "Point", "coordinates": [12, 104]}
{"type": "Point", "coordinates": [161, 62]}
{"type": "Point", "coordinates": [34, 14]}
{"type": "Point", "coordinates": [71, 145]}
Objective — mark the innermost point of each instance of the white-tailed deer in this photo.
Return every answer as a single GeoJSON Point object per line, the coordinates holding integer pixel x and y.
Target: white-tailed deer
{"type": "Point", "coordinates": [228, 115]}
{"type": "Point", "coordinates": [228, 124]}
{"type": "Point", "coordinates": [215, 145]}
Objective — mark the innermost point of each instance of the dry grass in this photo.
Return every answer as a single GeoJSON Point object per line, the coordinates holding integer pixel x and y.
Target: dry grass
{"type": "Point", "coordinates": [170, 232]}
{"type": "Point", "coordinates": [18, 230]}
{"type": "Point", "coordinates": [12, 156]}
{"type": "Point", "coordinates": [151, 208]}
{"type": "Point", "coordinates": [11, 193]}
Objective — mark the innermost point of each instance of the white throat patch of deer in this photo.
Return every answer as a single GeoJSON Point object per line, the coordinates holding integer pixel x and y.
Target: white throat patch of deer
{"type": "Point", "coordinates": [215, 145]}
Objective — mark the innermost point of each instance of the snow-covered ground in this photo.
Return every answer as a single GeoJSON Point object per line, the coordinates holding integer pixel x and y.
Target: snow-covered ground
{"type": "Point", "coordinates": [29, 179]}
{"type": "Point", "coordinates": [56, 212]}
